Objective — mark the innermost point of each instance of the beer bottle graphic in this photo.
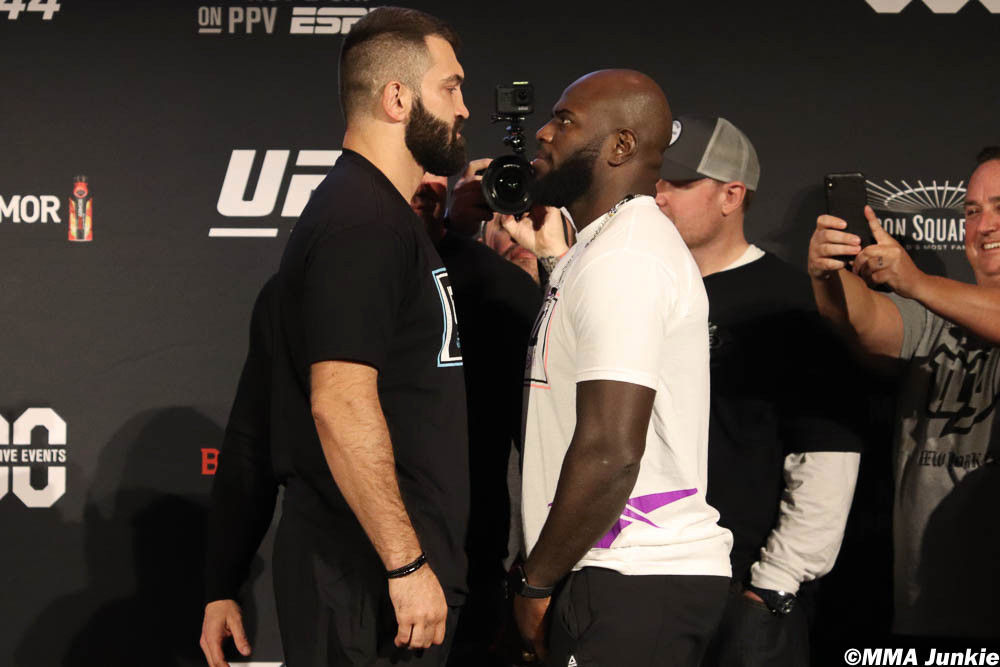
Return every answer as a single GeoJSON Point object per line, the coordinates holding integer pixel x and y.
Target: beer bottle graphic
{"type": "Point", "coordinates": [81, 211]}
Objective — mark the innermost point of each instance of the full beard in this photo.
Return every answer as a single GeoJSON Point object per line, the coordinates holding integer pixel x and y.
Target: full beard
{"type": "Point", "coordinates": [564, 185]}
{"type": "Point", "coordinates": [435, 146]}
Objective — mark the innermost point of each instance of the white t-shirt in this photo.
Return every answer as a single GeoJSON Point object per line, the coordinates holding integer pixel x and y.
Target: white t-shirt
{"type": "Point", "coordinates": [627, 303]}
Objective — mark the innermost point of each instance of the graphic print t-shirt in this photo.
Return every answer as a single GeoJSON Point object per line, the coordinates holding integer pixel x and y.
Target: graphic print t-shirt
{"type": "Point", "coordinates": [947, 494]}
{"type": "Point", "coordinates": [361, 282]}
{"type": "Point", "coordinates": [631, 308]}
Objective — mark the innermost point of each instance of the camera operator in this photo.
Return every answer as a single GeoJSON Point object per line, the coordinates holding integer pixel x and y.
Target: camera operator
{"type": "Point", "coordinates": [944, 335]}
{"type": "Point", "coordinates": [468, 209]}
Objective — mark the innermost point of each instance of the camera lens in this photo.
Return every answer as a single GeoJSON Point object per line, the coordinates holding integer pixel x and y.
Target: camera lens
{"type": "Point", "coordinates": [507, 185]}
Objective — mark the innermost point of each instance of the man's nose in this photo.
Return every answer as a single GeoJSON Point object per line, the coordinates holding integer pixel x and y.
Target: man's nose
{"type": "Point", "coordinates": [544, 133]}
{"type": "Point", "coordinates": [662, 189]}
{"type": "Point", "coordinates": [990, 222]}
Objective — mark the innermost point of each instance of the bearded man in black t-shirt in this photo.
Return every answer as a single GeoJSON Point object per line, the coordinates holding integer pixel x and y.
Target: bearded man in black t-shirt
{"type": "Point", "coordinates": [367, 380]}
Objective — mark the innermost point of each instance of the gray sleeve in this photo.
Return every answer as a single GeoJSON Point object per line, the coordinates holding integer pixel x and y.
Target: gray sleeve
{"type": "Point", "coordinates": [805, 541]}
{"type": "Point", "coordinates": [916, 323]}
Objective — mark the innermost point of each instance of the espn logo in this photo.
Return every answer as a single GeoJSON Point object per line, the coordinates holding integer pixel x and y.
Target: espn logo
{"type": "Point", "coordinates": [936, 6]}
{"type": "Point", "coordinates": [325, 20]}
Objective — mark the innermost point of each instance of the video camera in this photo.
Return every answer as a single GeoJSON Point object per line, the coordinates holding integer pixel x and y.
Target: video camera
{"type": "Point", "coordinates": [507, 181]}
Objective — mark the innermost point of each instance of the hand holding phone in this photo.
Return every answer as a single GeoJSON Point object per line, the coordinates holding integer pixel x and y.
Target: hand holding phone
{"type": "Point", "coordinates": [846, 197]}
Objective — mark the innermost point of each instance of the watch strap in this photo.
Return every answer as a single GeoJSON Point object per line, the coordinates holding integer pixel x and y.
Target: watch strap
{"type": "Point", "coordinates": [517, 584]}
{"type": "Point", "coordinates": [778, 602]}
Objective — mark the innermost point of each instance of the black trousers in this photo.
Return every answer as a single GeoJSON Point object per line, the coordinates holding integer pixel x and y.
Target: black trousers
{"type": "Point", "coordinates": [751, 636]}
{"type": "Point", "coordinates": [600, 618]}
{"type": "Point", "coordinates": [336, 612]}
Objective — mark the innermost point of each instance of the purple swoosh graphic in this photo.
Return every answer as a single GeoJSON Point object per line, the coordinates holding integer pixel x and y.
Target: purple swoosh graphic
{"type": "Point", "coordinates": [638, 517]}
{"type": "Point", "coordinates": [645, 504]}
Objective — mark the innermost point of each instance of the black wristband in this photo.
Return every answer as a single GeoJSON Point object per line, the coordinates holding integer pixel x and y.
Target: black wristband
{"type": "Point", "coordinates": [409, 568]}
{"type": "Point", "coordinates": [517, 584]}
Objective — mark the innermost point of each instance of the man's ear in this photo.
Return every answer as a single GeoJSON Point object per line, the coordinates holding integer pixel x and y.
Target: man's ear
{"type": "Point", "coordinates": [732, 197]}
{"type": "Point", "coordinates": [396, 101]}
{"type": "Point", "coordinates": [626, 145]}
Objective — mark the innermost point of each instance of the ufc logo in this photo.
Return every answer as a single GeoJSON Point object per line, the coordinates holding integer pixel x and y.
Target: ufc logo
{"type": "Point", "coordinates": [20, 436]}
{"type": "Point", "coordinates": [936, 6]}
{"type": "Point", "coordinates": [233, 200]}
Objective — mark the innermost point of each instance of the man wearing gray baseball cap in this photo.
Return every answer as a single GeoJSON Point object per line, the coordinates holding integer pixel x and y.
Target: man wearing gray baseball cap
{"type": "Point", "coordinates": [781, 471]}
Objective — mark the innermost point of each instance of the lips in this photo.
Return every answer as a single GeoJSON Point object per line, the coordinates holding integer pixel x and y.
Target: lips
{"type": "Point", "coordinates": [992, 245]}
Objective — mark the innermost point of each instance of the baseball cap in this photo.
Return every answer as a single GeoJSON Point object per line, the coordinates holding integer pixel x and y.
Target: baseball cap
{"type": "Point", "coordinates": [710, 147]}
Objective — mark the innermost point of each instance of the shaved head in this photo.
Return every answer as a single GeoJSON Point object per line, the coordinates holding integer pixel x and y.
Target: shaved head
{"type": "Point", "coordinates": [630, 100]}
{"type": "Point", "coordinates": [606, 139]}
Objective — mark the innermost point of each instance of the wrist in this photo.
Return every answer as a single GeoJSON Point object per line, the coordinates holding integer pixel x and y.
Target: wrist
{"type": "Point", "coordinates": [918, 287]}
{"type": "Point", "coordinates": [549, 261]}
{"type": "Point", "coordinates": [518, 583]}
{"type": "Point", "coordinates": [772, 576]}
{"type": "Point", "coordinates": [778, 602]}
{"type": "Point", "coordinates": [407, 568]}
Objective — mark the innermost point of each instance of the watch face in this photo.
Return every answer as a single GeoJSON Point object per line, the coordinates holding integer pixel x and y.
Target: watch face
{"type": "Point", "coordinates": [777, 602]}
{"type": "Point", "coordinates": [785, 604]}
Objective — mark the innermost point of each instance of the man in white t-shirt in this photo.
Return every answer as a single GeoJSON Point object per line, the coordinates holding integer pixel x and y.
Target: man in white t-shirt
{"type": "Point", "coordinates": [616, 423]}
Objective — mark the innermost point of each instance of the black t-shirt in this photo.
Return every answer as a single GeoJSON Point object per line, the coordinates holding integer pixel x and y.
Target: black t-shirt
{"type": "Point", "coordinates": [774, 373]}
{"type": "Point", "coordinates": [497, 303]}
{"type": "Point", "coordinates": [361, 281]}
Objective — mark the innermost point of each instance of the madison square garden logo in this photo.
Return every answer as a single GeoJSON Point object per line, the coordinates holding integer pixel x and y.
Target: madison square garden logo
{"type": "Point", "coordinates": [921, 217]}
{"type": "Point", "coordinates": [33, 457]}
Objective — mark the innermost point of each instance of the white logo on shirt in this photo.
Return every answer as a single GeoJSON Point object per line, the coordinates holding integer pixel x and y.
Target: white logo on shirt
{"type": "Point", "coordinates": [538, 340]}
{"type": "Point", "coordinates": [451, 346]}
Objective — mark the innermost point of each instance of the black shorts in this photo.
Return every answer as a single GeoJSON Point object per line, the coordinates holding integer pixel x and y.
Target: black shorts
{"type": "Point", "coordinates": [601, 618]}
{"type": "Point", "coordinates": [335, 611]}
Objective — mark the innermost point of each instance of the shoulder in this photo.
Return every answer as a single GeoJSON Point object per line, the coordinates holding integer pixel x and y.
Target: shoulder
{"type": "Point", "coordinates": [642, 256]}
{"type": "Point", "coordinates": [642, 232]}
{"type": "Point", "coordinates": [350, 197]}
{"type": "Point", "coordinates": [786, 278]}
{"type": "Point", "coordinates": [772, 276]}
{"type": "Point", "coordinates": [922, 328]}
{"type": "Point", "coordinates": [649, 229]}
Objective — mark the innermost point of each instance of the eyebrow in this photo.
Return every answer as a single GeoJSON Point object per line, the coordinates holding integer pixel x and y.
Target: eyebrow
{"type": "Point", "coordinates": [454, 79]}
{"type": "Point", "coordinates": [563, 111]}
{"type": "Point", "coordinates": [991, 200]}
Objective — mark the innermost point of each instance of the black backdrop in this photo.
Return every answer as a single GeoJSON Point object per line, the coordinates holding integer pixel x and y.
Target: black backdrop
{"type": "Point", "coordinates": [134, 340]}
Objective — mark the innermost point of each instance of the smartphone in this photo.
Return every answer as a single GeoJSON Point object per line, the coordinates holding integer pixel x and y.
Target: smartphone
{"type": "Point", "coordinates": [846, 196]}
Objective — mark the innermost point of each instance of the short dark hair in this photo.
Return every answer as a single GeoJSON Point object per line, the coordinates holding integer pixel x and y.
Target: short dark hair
{"type": "Point", "coordinates": [387, 44]}
{"type": "Point", "coordinates": [988, 153]}
{"type": "Point", "coordinates": [747, 199]}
